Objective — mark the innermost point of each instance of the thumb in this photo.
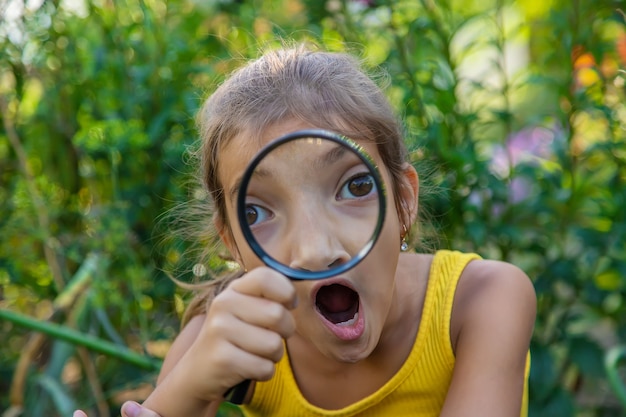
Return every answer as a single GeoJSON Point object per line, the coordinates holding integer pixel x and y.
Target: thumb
{"type": "Point", "coordinates": [133, 409]}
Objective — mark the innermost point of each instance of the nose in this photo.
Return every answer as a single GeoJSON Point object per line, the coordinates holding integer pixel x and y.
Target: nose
{"type": "Point", "coordinates": [315, 241]}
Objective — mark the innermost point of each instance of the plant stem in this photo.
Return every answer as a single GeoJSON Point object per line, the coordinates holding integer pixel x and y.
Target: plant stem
{"type": "Point", "coordinates": [62, 303]}
{"type": "Point", "coordinates": [82, 339]}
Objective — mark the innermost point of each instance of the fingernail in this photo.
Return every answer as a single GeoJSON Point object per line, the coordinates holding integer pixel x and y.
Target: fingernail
{"type": "Point", "coordinates": [131, 409]}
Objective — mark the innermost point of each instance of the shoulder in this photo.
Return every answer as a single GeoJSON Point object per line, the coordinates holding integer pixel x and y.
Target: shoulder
{"type": "Point", "coordinates": [498, 281]}
{"type": "Point", "coordinates": [493, 276]}
{"type": "Point", "coordinates": [493, 293]}
{"type": "Point", "coordinates": [493, 316]}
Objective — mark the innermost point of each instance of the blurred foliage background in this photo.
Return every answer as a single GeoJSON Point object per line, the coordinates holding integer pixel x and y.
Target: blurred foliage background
{"type": "Point", "coordinates": [516, 110]}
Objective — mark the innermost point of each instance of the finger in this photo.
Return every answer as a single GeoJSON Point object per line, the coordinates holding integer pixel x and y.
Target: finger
{"type": "Point", "coordinates": [266, 283]}
{"type": "Point", "coordinates": [256, 311]}
{"type": "Point", "coordinates": [133, 409]}
{"type": "Point", "coordinates": [258, 341]}
{"type": "Point", "coordinates": [79, 413]}
{"type": "Point", "coordinates": [238, 364]}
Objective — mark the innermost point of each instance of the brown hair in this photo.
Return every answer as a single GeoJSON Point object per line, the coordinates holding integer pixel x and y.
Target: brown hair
{"type": "Point", "coordinates": [327, 90]}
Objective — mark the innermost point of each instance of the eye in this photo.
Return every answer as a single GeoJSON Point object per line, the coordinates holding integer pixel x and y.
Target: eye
{"type": "Point", "coordinates": [256, 214]}
{"type": "Point", "coordinates": [359, 186]}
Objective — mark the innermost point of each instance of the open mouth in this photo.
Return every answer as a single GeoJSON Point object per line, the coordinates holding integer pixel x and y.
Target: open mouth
{"type": "Point", "coordinates": [338, 304]}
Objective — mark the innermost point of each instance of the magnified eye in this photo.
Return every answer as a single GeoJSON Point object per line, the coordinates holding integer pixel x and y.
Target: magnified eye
{"type": "Point", "coordinates": [359, 186]}
{"type": "Point", "coordinates": [256, 214]}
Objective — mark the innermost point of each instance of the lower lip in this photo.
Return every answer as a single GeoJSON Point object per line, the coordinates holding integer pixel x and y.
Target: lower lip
{"type": "Point", "coordinates": [347, 332]}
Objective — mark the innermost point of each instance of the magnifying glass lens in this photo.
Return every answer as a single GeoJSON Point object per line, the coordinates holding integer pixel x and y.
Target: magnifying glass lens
{"type": "Point", "coordinates": [311, 204]}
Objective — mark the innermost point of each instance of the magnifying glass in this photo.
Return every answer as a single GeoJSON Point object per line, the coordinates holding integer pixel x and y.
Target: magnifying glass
{"type": "Point", "coordinates": [311, 205]}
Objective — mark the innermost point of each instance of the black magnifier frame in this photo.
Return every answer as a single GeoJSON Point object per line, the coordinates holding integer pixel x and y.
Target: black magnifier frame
{"type": "Point", "coordinates": [301, 274]}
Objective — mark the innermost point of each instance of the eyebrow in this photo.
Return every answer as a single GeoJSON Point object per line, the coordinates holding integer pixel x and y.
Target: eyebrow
{"type": "Point", "coordinates": [321, 162]}
{"type": "Point", "coordinates": [261, 172]}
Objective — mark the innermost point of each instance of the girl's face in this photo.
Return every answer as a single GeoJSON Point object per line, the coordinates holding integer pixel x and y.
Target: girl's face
{"type": "Point", "coordinates": [342, 316]}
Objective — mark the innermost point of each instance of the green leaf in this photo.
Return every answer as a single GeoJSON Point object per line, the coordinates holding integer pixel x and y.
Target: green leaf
{"type": "Point", "coordinates": [63, 402]}
{"type": "Point", "coordinates": [588, 356]}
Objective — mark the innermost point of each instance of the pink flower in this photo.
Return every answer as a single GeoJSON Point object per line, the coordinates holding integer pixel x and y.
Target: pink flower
{"type": "Point", "coordinates": [534, 146]}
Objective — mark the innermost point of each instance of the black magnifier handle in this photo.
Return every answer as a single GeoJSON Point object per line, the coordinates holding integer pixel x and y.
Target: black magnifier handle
{"type": "Point", "coordinates": [237, 394]}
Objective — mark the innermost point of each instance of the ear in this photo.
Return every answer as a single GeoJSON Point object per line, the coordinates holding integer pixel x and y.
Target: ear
{"type": "Point", "coordinates": [226, 236]}
{"type": "Point", "coordinates": [409, 195]}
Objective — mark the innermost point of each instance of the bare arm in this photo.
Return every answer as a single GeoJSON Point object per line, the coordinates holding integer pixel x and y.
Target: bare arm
{"type": "Point", "coordinates": [240, 337]}
{"type": "Point", "coordinates": [492, 322]}
{"type": "Point", "coordinates": [181, 345]}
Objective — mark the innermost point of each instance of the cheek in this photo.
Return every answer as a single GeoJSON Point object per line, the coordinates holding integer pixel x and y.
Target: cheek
{"type": "Point", "coordinates": [393, 215]}
{"type": "Point", "coordinates": [238, 246]}
{"type": "Point", "coordinates": [392, 226]}
{"type": "Point", "coordinates": [381, 263]}
{"type": "Point", "coordinates": [304, 290]}
{"type": "Point", "coordinates": [306, 306]}
{"type": "Point", "coordinates": [239, 242]}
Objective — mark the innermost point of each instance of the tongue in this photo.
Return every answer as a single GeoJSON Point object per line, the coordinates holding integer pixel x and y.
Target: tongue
{"type": "Point", "coordinates": [337, 303]}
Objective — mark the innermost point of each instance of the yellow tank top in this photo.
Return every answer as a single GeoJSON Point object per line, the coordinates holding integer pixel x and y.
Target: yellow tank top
{"type": "Point", "coordinates": [418, 389]}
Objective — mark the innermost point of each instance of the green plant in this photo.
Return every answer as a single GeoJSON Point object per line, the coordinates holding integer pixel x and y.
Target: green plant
{"type": "Point", "coordinates": [515, 115]}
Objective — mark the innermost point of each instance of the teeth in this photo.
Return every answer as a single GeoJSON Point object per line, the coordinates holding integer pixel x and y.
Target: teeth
{"type": "Point", "coordinates": [349, 322]}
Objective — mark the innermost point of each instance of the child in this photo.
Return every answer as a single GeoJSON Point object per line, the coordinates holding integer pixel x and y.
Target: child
{"type": "Point", "coordinates": [444, 334]}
